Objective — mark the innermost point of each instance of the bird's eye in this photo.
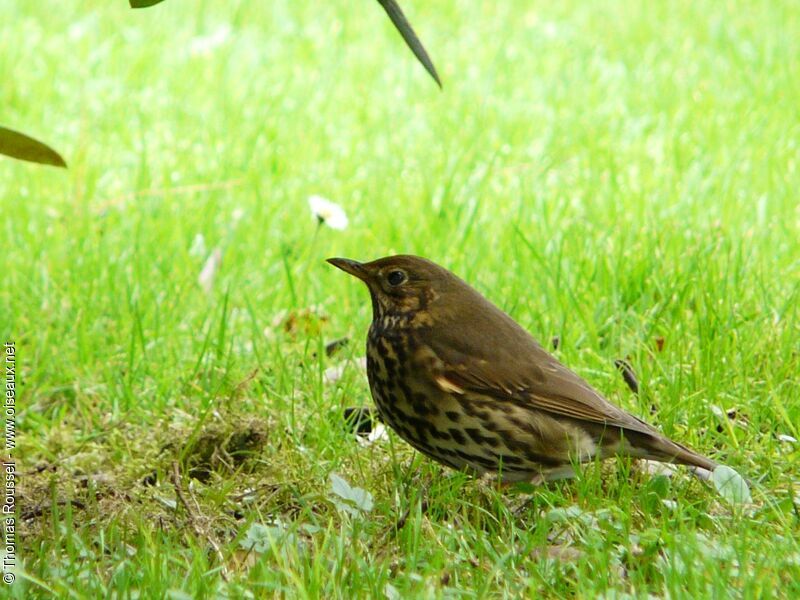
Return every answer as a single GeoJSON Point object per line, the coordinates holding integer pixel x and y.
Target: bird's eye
{"type": "Point", "coordinates": [396, 277]}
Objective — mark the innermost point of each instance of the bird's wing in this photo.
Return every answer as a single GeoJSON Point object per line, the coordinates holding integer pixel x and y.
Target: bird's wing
{"type": "Point", "coordinates": [531, 377]}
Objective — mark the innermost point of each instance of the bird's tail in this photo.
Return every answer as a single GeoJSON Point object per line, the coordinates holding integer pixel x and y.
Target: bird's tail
{"type": "Point", "coordinates": [660, 448]}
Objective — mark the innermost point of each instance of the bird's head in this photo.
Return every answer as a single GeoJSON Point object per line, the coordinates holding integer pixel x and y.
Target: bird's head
{"type": "Point", "coordinates": [408, 287]}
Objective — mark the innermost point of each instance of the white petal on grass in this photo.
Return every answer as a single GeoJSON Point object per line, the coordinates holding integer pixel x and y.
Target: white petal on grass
{"type": "Point", "coordinates": [391, 592]}
{"type": "Point", "coordinates": [209, 270]}
{"type": "Point", "coordinates": [237, 215]}
{"type": "Point", "coordinates": [731, 485]}
{"type": "Point", "coordinates": [378, 432]}
{"type": "Point", "coordinates": [328, 212]}
{"type": "Point", "coordinates": [206, 44]}
{"type": "Point", "coordinates": [198, 247]}
{"type": "Point", "coordinates": [653, 467]}
{"type": "Point", "coordinates": [279, 317]}
{"type": "Point", "coordinates": [168, 502]}
{"type": "Point", "coordinates": [249, 495]}
{"type": "Point", "coordinates": [334, 373]}
{"type": "Point", "coordinates": [718, 412]}
{"type": "Point", "coordinates": [782, 437]}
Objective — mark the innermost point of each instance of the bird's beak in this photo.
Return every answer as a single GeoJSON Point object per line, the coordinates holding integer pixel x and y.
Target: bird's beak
{"type": "Point", "coordinates": [354, 268]}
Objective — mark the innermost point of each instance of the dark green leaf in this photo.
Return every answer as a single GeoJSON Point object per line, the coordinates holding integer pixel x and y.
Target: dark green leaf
{"type": "Point", "coordinates": [18, 145]}
{"type": "Point", "coordinates": [404, 27]}
{"type": "Point", "coordinates": [144, 3]}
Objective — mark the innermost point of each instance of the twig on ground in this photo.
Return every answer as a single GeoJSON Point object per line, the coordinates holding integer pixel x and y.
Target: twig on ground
{"type": "Point", "coordinates": [195, 515]}
{"type": "Point", "coordinates": [401, 522]}
{"type": "Point", "coordinates": [39, 509]}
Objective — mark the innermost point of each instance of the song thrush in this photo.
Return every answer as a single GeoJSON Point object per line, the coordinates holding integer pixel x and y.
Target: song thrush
{"type": "Point", "coordinates": [464, 384]}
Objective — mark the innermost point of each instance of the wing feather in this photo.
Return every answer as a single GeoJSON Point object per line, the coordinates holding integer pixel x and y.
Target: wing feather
{"type": "Point", "coordinates": [532, 377]}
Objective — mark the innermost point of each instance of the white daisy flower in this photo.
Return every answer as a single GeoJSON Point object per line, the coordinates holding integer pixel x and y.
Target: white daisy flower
{"type": "Point", "coordinates": [327, 212]}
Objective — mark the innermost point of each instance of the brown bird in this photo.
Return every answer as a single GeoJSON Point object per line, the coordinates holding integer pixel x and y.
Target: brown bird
{"type": "Point", "coordinates": [464, 384]}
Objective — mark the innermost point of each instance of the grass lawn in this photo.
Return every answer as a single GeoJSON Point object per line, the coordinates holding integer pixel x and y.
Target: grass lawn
{"type": "Point", "coordinates": [623, 175]}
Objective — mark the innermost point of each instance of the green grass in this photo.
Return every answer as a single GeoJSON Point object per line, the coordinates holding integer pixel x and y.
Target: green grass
{"type": "Point", "coordinates": [612, 173]}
